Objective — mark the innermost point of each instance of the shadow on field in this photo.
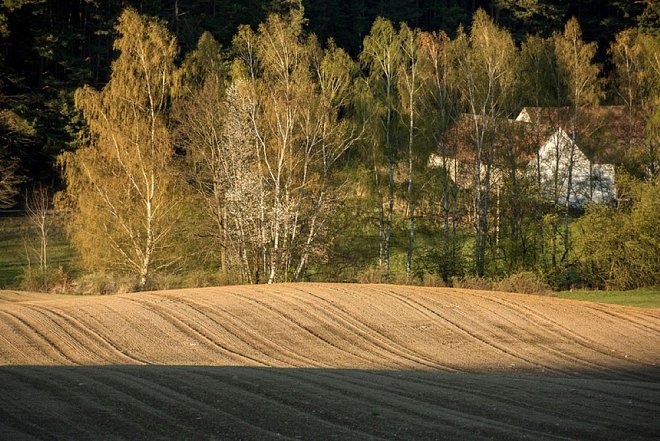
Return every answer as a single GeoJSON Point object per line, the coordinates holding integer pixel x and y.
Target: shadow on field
{"type": "Point", "coordinates": [200, 402]}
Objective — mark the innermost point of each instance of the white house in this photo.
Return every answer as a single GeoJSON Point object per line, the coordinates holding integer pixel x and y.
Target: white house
{"type": "Point", "coordinates": [590, 181]}
{"type": "Point", "coordinates": [542, 127]}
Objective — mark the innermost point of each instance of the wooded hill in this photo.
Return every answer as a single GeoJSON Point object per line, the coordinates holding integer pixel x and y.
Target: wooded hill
{"type": "Point", "coordinates": [286, 156]}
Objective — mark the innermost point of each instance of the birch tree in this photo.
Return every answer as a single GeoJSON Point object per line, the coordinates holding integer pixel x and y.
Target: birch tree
{"type": "Point", "coordinates": [485, 76]}
{"type": "Point", "coordinates": [541, 87]}
{"type": "Point", "coordinates": [636, 81]}
{"type": "Point", "coordinates": [381, 55]}
{"type": "Point", "coordinates": [580, 77]}
{"type": "Point", "coordinates": [296, 93]}
{"type": "Point", "coordinates": [121, 184]}
{"type": "Point", "coordinates": [41, 219]}
{"type": "Point", "coordinates": [411, 92]}
{"type": "Point", "coordinates": [200, 114]}
{"type": "Point", "coordinates": [442, 103]}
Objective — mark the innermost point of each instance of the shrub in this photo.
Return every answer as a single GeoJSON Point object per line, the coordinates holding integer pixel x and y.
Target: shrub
{"type": "Point", "coordinates": [373, 274]}
{"type": "Point", "coordinates": [228, 278]}
{"type": "Point", "coordinates": [400, 278]}
{"type": "Point", "coordinates": [103, 283]}
{"type": "Point", "coordinates": [569, 275]}
{"type": "Point", "coordinates": [162, 281]}
{"type": "Point", "coordinates": [525, 282]}
{"type": "Point", "coordinates": [432, 279]}
{"type": "Point", "coordinates": [49, 280]}
{"type": "Point", "coordinates": [619, 248]}
{"type": "Point", "coordinates": [473, 282]}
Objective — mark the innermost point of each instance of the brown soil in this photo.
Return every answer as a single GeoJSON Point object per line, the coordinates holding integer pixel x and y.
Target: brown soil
{"type": "Point", "coordinates": [326, 361]}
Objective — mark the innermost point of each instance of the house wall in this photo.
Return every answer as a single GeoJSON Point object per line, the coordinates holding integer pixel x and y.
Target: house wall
{"type": "Point", "coordinates": [554, 165]}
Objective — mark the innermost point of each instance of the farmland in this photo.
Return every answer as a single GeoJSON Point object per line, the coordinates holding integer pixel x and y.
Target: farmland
{"type": "Point", "coordinates": [324, 361]}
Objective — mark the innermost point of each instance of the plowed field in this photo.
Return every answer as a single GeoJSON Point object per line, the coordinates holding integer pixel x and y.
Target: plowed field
{"type": "Point", "coordinates": [325, 361]}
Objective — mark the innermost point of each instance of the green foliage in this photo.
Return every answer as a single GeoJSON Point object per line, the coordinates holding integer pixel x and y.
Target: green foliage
{"type": "Point", "coordinates": [540, 85]}
{"type": "Point", "coordinates": [371, 274]}
{"type": "Point", "coordinates": [284, 157]}
{"type": "Point", "coordinates": [204, 63]}
{"type": "Point", "coordinates": [472, 282]}
{"type": "Point", "coordinates": [648, 21]}
{"type": "Point", "coordinates": [619, 248]}
{"type": "Point", "coordinates": [579, 74]}
{"type": "Point", "coordinates": [49, 280]}
{"type": "Point", "coordinates": [525, 282]}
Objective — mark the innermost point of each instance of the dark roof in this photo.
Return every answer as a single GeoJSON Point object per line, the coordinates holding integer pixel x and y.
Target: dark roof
{"type": "Point", "coordinates": [602, 131]}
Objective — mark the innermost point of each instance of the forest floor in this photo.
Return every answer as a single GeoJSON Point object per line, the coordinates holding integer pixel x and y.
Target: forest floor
{"type": "Point", "coordinates": [326, 361]}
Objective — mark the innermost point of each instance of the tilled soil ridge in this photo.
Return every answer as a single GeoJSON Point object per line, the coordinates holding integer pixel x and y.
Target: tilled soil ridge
{"type": "Point", "coordinates": [331, 326]}
{"type": "Point", "coordinates": [326, 361]}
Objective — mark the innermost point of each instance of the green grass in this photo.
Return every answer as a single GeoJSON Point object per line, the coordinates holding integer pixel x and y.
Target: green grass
{"type": "Point", "coordinates": [14, 233]}
{"type": "Point", "coordinates": [643, 297]}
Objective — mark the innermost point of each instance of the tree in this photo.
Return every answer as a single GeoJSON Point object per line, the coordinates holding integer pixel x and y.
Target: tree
{"type": "Point", "coordinates": [485, 76]}
{"type": "Point", "coordinates": [294, 94]}
{"type": "Point", "coordinates": [15, 134]}
{"type": "Point", "coordinates": [8, 182]}
{"type": "Point", "coordinates": [619, 248]}
{"type": "Point", "coordinates": [541, 87]}
{"type": "Point", "coordinates": [40, 216]}
{"type": "Point", "coordinates": [442, 111]}
{"type": "Point", "coordinates": [121, 185]}
{"type": "Point", "coordinates": [521, 16]}
{"type": "Point", "coordinates": [200, 114]}
{"type": "Point", "coordinates": [411, 92]}
{"type": "Point", "coordinates": [381, 55]}
{"type": "Point", "coordinates": [637, 84]}
{"type": "Point", "coordinates": [580, 77]}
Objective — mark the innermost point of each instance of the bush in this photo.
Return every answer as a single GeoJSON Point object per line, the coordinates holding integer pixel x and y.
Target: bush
{"type": "Point", "coordinates": [432, 279]}
{"type": "Point", "coordinates": [103, 283]}
{"type": "Point", "coordinates": [373, 274]}
{"type": "Point", "coordinates": [525, 282]}
{"type": "Point", "coordinates": [50, 280]}
{"type": "Point", "coordinates": [619, 248]}
{"type": "Point", "coordinates": [401, 278]}
{"type": "Point", "coordinates": [109, 283]}
{"type": "Point", "coordinates": [472, 282]}
{"type": "Point", "coordinates": [569, 275]}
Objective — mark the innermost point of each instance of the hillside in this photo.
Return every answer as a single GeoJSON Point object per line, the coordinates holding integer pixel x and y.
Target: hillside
{"type": "Point", "coordinates": [345, 361]}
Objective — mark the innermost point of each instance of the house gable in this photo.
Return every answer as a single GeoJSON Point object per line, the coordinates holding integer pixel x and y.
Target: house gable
{"type": "Point", "coordinates": [590, 182]}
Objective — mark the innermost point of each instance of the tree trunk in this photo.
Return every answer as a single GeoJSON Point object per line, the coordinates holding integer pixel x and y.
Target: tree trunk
{"type": "Point", "coordinates": [569, 185]}
{"type": "Point", "coordinates": [390, 171]}
{"type": "Point", "coordinates": [411, 204]}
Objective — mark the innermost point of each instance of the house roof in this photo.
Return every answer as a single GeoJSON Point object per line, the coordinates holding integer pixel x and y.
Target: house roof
{"type": "Point", "coordinates": [602, 131]}
{"type": "Point", "coordinates": [511, 136]}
